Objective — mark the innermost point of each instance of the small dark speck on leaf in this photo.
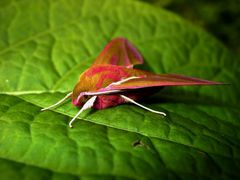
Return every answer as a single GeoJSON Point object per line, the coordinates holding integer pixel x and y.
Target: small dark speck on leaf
{"type": "Point", "coordinates": [139, 143]}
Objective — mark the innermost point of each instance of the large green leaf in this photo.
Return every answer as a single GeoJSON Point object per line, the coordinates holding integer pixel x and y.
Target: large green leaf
{"type": "Point", "coordinates": [44, 47]}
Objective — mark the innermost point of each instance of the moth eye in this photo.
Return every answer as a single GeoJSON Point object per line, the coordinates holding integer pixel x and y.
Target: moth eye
{"type": "Point", "coordinates": [85, 98]}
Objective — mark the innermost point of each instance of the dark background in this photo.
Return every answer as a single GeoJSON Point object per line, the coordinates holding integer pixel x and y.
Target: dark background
{"type": "Point", "coordinates": [221, 18]}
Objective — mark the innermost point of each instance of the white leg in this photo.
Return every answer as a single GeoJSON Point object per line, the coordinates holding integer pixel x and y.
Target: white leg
{"type": "Point", "coordinates": [59, 102]}
{"type": "Point", "coordinates": [87, 105]}
{"type": "Point", "coordinates": [134, 102]}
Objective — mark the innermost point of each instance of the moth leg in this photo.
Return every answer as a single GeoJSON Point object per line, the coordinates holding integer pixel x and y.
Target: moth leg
{"type": "Point", "coordinates": [87, 105]}
{"type": "Point", "coordinates": [144, 107]}
{"type": "Point", "coordinates": [57, 103]}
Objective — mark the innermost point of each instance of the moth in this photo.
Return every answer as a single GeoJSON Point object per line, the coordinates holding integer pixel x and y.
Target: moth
{"type": "Point", "coordinates": [112, 80]}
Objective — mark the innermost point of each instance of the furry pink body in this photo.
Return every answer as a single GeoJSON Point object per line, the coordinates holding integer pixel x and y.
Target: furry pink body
{"type": "Point", "coordinates": [106, 101]}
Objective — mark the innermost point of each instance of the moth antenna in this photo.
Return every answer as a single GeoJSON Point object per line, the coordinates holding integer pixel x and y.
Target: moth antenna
{"type": "Point", "coordinates": [87, 105]}
{"type": "Point", "coordinates": [57, 103]}
{"type": "Point", "coordinates": [144, 107]}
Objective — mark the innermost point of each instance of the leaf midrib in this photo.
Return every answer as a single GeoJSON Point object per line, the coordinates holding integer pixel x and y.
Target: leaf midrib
{"type": "Point", "coordinates": [211, 130]}
{"type": "Point", "coordinates": [131, 130]}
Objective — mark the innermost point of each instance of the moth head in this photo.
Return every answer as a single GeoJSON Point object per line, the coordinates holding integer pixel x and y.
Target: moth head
{"type": "Point", "coordinates": [80, 100]}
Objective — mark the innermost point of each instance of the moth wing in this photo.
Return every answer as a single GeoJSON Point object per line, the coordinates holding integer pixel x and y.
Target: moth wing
{"type": "Point", "coordinates": [152, 81]}
{"type": "Point", "coordinates": [162, 80]}
{"type": "Point", "coordinates": [121, 52]}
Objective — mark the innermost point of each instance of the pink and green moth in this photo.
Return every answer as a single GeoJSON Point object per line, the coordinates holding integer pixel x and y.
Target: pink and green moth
{"type": "Point", "coordinates": [112, 80]}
